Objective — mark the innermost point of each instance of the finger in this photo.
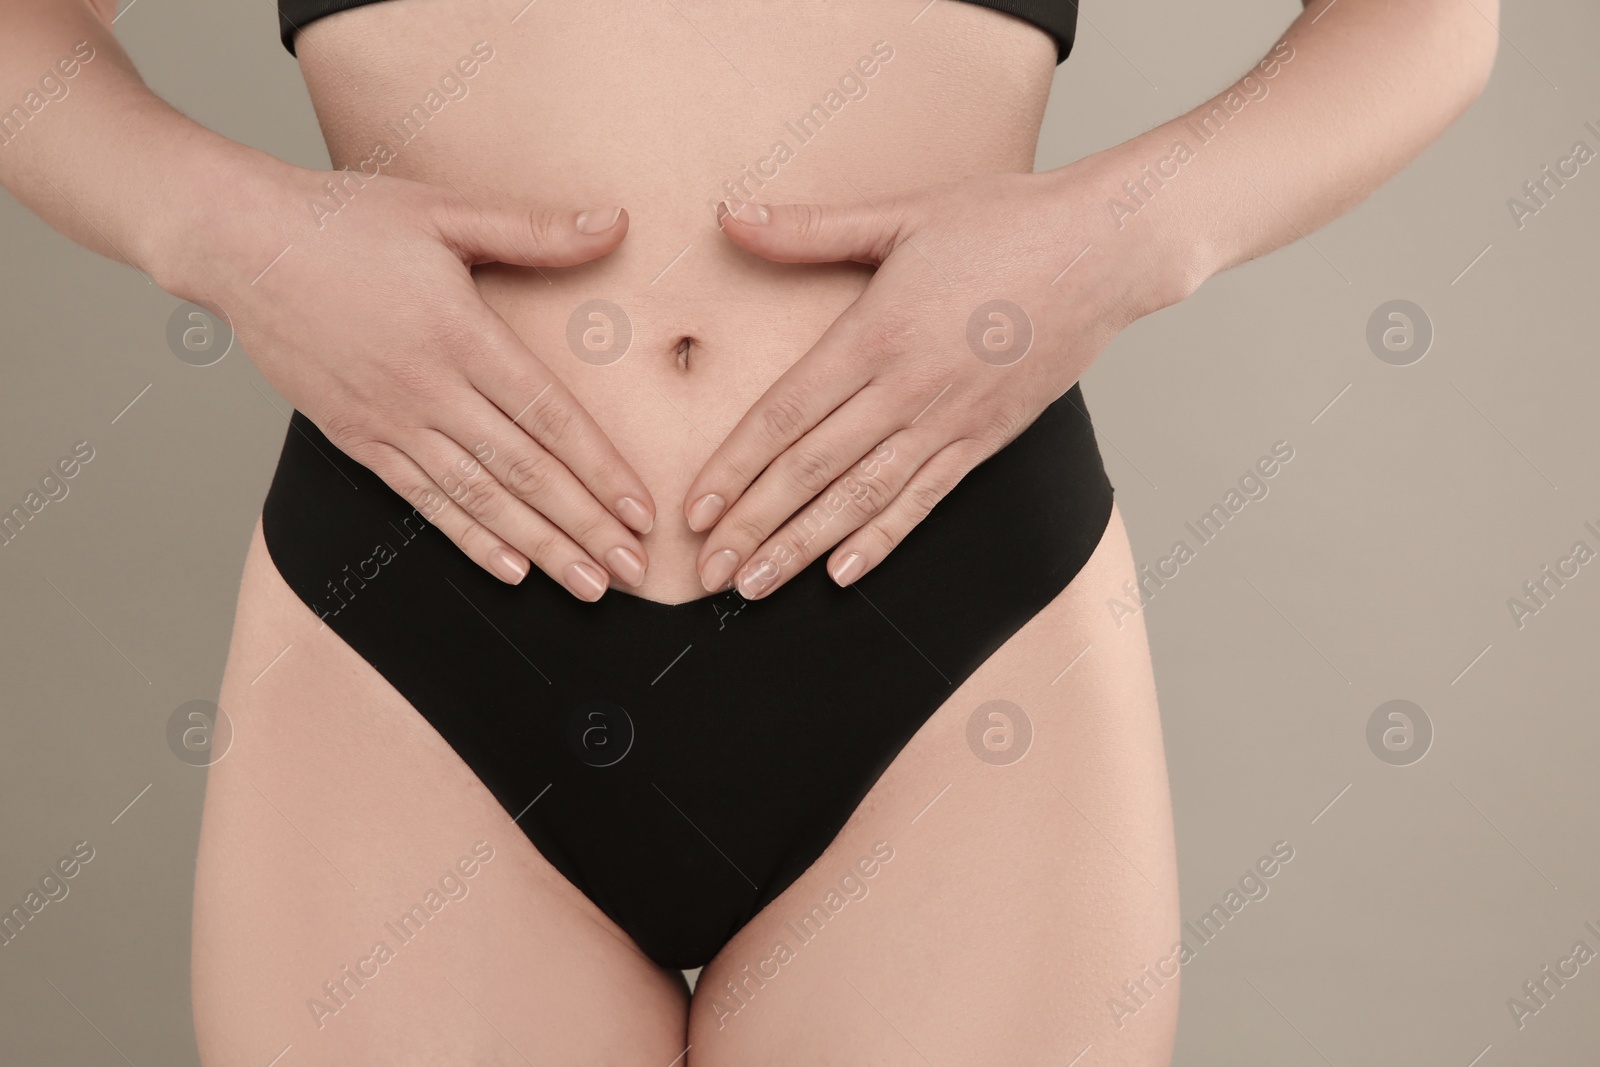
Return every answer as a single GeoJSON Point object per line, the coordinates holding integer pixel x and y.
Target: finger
{"type": "Point", "coordinates": [401, 473]}
{"type": "Point", "coordinates": [514, 380]}
{"type": "Point", "coordinates": [881, 534]}
{"type": "Point", "coordinates": [803, 474]}
{"type": "Point", "coordinates": [533, 476]}
{"type": "Point", "coordinates": [469, 488]}
{"type": "Point", "coordinates": [814, 233]}
{"type": "Point", "coordinates": [529, 236]}
{"type": "Point", "coordinates": [805, 394]}
{"type": "Point", "coordinates": [850, 501]}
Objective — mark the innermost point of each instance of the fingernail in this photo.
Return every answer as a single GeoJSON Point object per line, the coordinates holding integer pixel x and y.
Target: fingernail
{"type": "Point", "coordinates": [719, 568]}
{"type": "Point", "coordinates": [598, 220]}
{"type": "Point", "coordinates": [849, 568]}
{"type": "Point", "coordinates": [757, 580]}
{"type": "Point", "coordinates": [625, 565]}
{"type": "Point", "coordinates": [706, 511]}
{"type": "Point", "coordinates": [507, 567]}
{"type": "Point", "coordinates": [585, 582]}
{"type": "Point", "coordinates": [746, 212]}
{"type": "Point", "coordinates": [635, 515]}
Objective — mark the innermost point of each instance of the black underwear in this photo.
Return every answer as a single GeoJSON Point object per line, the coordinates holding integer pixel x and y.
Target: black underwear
{"type": "Point", "coordinates": [683, 764]}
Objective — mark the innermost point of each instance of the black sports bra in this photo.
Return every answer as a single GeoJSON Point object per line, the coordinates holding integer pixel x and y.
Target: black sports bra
{"type": "Point", "coordinates": [1058, 18]}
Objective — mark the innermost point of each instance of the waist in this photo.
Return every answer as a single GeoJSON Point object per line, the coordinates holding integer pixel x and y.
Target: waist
{"type": "Point", "coordinates": [667, 111]}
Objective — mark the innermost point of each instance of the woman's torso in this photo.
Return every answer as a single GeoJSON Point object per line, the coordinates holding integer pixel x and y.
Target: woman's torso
{"type": "Point", "coordinates": [654, 107]}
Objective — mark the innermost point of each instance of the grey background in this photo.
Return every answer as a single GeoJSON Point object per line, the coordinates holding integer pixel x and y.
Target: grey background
{"type": "Point", "coordinates": [1379, 567]}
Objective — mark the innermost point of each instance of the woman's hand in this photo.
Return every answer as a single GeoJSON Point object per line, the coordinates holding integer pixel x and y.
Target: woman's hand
{"type": "Point", "coordinates": [992, 296]}
{"type": "Point", "coordinates": [372, 326]}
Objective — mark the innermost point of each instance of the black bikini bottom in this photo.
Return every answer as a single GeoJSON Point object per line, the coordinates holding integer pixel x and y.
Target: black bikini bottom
{"type": "Point", "coordinates": [683, 764]}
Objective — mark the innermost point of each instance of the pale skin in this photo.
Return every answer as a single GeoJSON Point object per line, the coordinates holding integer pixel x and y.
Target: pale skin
{"type": "Point", "coordinates": [370, 326]}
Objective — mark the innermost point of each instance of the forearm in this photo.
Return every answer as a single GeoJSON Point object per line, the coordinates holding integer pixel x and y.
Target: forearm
{"type": "Point", "coordinates": [97, 155]}
{"type": "Point", "coordinates": [1351, 94]}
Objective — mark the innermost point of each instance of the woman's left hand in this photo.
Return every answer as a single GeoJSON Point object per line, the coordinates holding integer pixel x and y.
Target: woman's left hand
{"type": "Point", "coordinates": [992, 296]}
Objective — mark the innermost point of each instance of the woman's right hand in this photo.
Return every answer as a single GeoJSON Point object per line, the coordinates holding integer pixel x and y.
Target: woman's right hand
{"type": "Point", "coordinates": [373, 327]}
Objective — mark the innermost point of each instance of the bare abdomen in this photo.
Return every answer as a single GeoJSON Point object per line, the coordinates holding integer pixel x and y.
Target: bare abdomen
{"type": "Point", "coordinates": [666, 109]}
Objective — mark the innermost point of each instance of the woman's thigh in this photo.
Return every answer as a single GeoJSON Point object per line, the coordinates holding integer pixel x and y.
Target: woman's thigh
{"type": "Point", "coordinates": [362, 898]}
{"type": "Point", "coordinates": [998, 885]}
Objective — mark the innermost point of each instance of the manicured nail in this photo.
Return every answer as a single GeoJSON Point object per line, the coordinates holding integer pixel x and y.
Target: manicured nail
{"type": "Point", "coordinates": [849, 568]}
{"type": "Point", "coordinates": [585, 582]}
{"type": "Point", "coordinates": [507, 567]}
{"type": "Point", "coordinates": [634, 514]}
{"type": "Point", "coordinates": [598, 220]}
{"type": "Point", "coordinates": [758, 579]}
{"type": "Point", "coordinates": [719, 568]}
{"type": "Point", "coordinates": [706, 511]}
{"type": "Point", "coordinates": [625, 565]}
{"type": "Point", "coordinates": [746, 212]}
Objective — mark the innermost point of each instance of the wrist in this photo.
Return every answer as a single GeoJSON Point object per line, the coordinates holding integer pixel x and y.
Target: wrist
{"type": "Point", "coordinates": [1140, 203]}
{"type": "Point", "coordinates": [226, 212]}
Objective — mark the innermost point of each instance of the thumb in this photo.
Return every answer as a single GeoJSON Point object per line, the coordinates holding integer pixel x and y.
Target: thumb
{"type": "Point", "coordinates": [531, 237]}
{"type": "Point", "coordinates": [813, 233]}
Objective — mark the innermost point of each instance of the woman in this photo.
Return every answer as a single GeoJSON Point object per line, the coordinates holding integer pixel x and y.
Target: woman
{"type": "Point", "coordinates": [476, 815]}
